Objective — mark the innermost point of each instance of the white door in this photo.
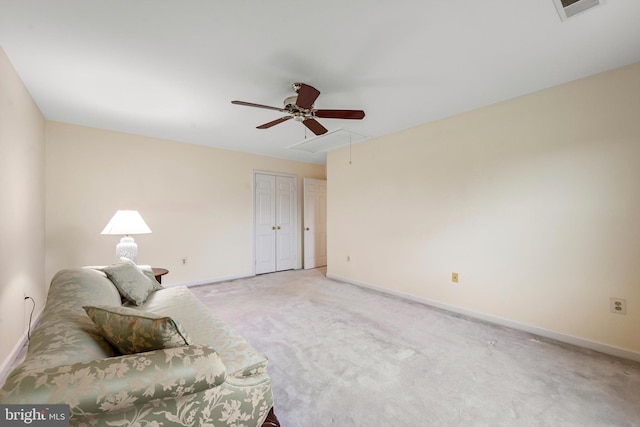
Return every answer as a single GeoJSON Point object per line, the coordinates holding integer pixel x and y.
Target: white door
{"type": "Point", "coordinates": [286, 213]}
{"type": "Point", "coordinates": [265, 223]}
{"type": "Point", "coordinates": [275, 223]}
{"type": "Point", "coordinates": [315, 223]}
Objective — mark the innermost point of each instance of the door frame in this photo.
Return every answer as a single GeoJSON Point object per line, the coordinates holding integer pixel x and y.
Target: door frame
{"type": "Point", "coordinates": [296, 216]}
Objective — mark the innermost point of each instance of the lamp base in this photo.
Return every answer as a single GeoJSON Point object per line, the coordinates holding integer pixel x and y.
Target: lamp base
{"type": "Point", "coordinates": [127, 248]}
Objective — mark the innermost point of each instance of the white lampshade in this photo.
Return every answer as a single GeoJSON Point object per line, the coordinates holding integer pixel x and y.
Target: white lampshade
{"type": "Point", "coordinates": [127, 223]}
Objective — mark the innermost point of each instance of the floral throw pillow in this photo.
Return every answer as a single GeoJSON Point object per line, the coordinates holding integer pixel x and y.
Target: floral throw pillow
{"type": "Point", "coordinates": [132, 283]}
{"type": "Point", "coordinates": [135, 331]}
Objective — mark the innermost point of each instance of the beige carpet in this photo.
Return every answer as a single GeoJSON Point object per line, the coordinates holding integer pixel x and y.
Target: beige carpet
{"type": "Point", "coordinates": [345, 356]}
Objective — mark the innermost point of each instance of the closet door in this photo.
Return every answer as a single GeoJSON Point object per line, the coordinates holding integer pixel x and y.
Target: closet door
{"type": "Point", "coordinates": [286, 214]}
{"type": "Point", "coordinates": [275, 223]}
{"type": "Point", "coordinates": [265, 223]}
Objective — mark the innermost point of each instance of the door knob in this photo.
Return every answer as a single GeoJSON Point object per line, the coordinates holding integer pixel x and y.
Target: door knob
{"type": "Point", "coordinates": [307, 228]}
{"type": "Point", "coordinates": [278, 227]}
{"type": "Point", "coordinates": [273, 228]}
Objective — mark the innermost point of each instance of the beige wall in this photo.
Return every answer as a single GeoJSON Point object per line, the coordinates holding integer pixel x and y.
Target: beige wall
{"type": "Point", "coordinates": [22, 214]}
{"type": "Point", "coordinates": [535, 202]}
{"type": "Point", "coordinates": [198, 201]}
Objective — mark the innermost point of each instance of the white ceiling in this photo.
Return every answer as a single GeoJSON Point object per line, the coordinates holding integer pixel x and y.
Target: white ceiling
{"type": "Point", "coordinates": [170, 68]}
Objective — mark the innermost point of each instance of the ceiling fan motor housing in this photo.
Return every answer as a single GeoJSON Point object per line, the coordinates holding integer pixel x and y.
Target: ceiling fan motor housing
{"type": "Point", "coordinates": [299, 114]}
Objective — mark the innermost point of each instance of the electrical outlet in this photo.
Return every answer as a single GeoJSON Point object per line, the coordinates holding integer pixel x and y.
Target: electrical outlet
{"type": "Point", "coordinates": [184, 261]}
{"type": "Point", "coordinates": [348, 258]}
{"type": "Point", "coordinates": [454, 277]}
{"type": "Point", "coordinates": [618, 305]}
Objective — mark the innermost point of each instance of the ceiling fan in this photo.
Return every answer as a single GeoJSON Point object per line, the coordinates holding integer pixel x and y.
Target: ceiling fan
{"type": "Point", "coordinates": [300, 108]}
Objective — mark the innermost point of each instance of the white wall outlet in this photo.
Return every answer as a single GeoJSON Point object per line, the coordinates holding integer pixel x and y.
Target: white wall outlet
{"type": "Point", "coordinates": [618, 305]}
{"type": "Point", "coordinates": [184, 261]}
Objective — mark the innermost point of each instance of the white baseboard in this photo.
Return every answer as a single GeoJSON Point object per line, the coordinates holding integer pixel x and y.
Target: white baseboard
{"type": "Point", "coordinates": [568, 339]}
{"type": "Point", "coordinates": [214, 280]}
{"type": "Point", "coordinates": [5, 367]}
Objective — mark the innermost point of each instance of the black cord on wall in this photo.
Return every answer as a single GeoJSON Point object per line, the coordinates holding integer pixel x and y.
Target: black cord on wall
{"type": "Point", "coordinates": [31, 315]}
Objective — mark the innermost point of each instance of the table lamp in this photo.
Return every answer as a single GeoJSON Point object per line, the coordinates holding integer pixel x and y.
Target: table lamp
{"type": "Point", "coordinates": [127, 223]}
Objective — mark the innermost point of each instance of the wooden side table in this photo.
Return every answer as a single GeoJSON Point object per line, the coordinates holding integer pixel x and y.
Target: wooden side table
{"type": "Point", "coordinates": [159, 272]}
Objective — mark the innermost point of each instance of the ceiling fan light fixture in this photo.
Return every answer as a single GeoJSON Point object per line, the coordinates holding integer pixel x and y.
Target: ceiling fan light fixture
{"type": "Point", "coordinates": [301, 109]}
{"type": "Point", "coordinates": [290, 101]}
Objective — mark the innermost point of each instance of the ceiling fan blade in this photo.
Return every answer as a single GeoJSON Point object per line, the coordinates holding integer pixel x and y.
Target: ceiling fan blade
{"type": "Point", "coordinates": [314, 126]}
{"type": "Point", "coordinates": [273, 123]}
{"type": "Point", "coordinates": [339, 114]}
{"type": "Point", "coordinates": [307, 95]}
{"type": "Point", "coordinates": [251, 104]}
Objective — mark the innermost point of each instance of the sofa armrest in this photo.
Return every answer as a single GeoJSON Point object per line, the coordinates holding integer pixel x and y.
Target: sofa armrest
{"type": "Point", "coordinates": [117, 383]}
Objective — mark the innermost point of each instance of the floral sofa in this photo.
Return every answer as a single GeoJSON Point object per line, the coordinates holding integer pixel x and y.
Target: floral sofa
{"type": "Point", "coordinates": [183, 367]}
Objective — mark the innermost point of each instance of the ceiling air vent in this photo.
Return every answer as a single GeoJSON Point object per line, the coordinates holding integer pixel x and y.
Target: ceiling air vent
{"type": "Point", "coordinates": [570, 8]}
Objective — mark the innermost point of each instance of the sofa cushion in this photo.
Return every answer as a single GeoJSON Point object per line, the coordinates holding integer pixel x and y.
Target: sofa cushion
{"type": "Point", "coordinates": [132, 283]}
{"type": "Point", "coordinates": [240, 358]}
{"type": "Point", "coordinates": [135, 331]}
{"type": "Point", "coordinates": [65, 334]}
